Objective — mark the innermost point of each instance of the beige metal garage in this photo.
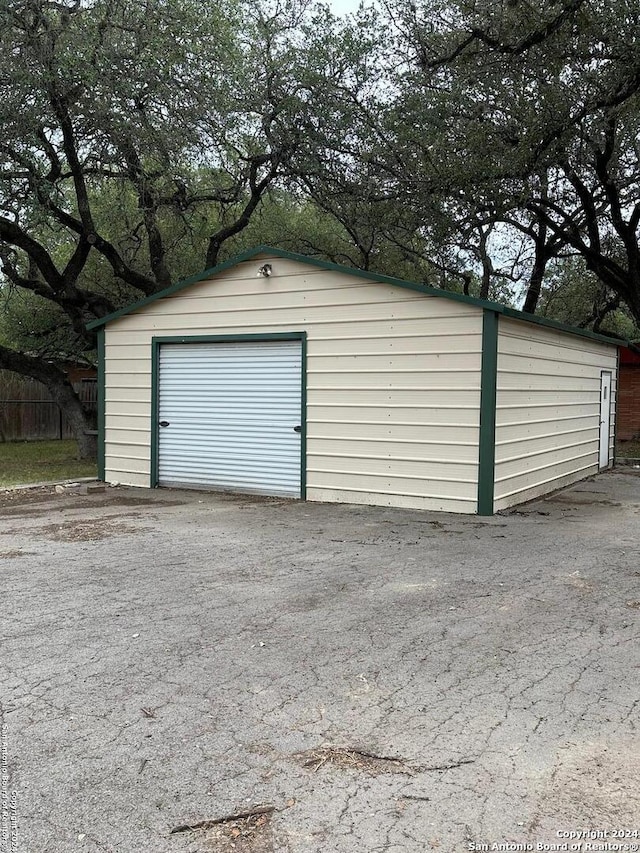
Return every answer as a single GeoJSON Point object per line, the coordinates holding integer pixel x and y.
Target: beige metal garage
{"type": "Point", "coordinates": [280, 374]}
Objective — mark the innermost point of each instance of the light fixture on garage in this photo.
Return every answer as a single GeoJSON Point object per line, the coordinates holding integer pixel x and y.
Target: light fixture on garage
{"type": "Point", "coordinates": [265, 271]}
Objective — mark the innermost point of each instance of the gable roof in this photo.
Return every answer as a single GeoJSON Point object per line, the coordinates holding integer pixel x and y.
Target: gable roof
{"type": "Point", "coordinates": [370, 276]}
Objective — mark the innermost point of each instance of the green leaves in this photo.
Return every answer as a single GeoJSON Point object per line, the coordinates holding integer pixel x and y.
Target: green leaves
{"type": "Point", "coordinates": [529, 120]}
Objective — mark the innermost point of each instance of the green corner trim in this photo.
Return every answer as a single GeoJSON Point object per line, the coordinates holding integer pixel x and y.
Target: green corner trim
{"type": "Point", "coordinates": [270, 251]}
{"type": "Point", "coordinates": [101, 406]}
{"type": "Point", "coordinates": [487, 450]}
{"type": "Point", "coordinates": [615, 411]}
{"type": "Point", "coordinates": [156, 343]}
{"type": "Point", "coordinates": [155, 416]}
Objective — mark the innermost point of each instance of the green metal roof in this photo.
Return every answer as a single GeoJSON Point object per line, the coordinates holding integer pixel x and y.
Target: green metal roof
{"type": "Point", "coordinates": [369, 276]}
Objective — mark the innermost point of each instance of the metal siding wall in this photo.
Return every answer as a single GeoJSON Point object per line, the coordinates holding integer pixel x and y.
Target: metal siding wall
{"type": "Point", "coordinates": [548, 409]}
{"type": "Point", "coordinates": [231, 409]}
{"type": "Point", "coordinates": [393, 380]}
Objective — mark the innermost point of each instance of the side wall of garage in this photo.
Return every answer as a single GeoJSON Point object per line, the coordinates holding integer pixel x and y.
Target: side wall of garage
{"type": "Point", "coordinates": [547, 409]}
{"type": "Point", "coordinates": [393, 380]}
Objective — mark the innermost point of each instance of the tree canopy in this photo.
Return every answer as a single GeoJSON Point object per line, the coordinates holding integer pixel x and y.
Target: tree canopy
{"type": "Point", "coordinates": [130, 125]}
{"type": "Point", "coordinates": [529, 116]}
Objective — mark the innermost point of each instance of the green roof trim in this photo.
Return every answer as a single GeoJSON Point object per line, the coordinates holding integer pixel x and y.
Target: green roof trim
{"type": "Point", "coordinates": [369, 276]}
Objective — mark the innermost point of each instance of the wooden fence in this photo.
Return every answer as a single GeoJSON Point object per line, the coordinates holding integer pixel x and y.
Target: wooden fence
{"type": "Point", "coordinates": [27, 412]}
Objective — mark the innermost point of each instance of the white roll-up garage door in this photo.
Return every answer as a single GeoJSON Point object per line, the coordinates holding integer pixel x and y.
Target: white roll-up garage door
{"type": "Point", "coordinates": [230, 416]}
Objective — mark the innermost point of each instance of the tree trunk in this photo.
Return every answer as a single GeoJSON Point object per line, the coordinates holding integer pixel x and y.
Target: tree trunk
{"type": "Point", "coordinates": [535, 285]}
{"type": "Point", "coordinates": [485, 260]}
{"type": "Point", "coordinates": [540, 261]}
{"type": "Point", "coordinates": [82, 422]}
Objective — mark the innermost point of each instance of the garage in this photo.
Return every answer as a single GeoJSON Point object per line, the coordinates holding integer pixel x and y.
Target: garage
{"type": "Point", "coordinates": [284, 375]}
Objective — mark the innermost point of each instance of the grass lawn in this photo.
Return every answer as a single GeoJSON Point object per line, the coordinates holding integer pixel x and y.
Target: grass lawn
{"type": "Point", "coordinates": [630, 449]}
{"type": "Point", "coordinates": [37, 461]}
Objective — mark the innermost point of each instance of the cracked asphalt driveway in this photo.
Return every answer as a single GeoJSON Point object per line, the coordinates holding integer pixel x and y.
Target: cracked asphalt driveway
{"type": "Point", "coordinates": [372, 679]}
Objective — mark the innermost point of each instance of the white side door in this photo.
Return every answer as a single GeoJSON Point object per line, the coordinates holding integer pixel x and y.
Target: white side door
{"type": "Point", "coordinates": [605, 417]}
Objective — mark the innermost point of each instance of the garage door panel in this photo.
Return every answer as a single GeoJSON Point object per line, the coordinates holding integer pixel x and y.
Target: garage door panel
{"type": "Point", "coordinates": [234, 399]}
{"type": "Point", "coordinates": [233, 475]}
{"type": "Point", "coordinates": [231, 409]}
{"type": "Point", "coordinates": [201, 436]}
{"type": "Point", "coordinates": [237, 458]}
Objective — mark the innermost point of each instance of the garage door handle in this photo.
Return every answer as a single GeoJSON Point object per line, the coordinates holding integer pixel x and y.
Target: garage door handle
{"type": "Point", "coordinates": [297, 429]}
{"type": "Point", "coordinates": [164, 423]}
